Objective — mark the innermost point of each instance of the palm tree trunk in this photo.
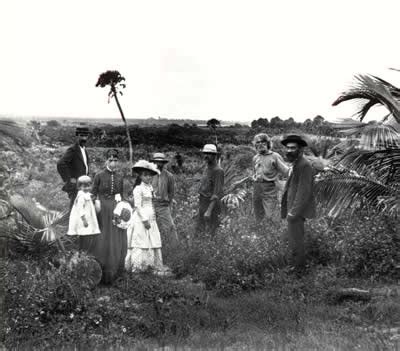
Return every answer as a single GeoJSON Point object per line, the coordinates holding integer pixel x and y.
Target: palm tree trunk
{"type": "Point", "coordinates": [126, 128]}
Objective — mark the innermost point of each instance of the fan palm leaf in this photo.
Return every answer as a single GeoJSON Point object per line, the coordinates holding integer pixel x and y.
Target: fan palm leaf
{"type": "Point", "coordinates": [35, 225]}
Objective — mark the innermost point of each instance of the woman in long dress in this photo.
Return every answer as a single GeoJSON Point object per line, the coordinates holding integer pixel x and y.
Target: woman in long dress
{"type": "Point", "coordinates": [144, 241]}
{"type": "Point", "coordinates": [110, 246]}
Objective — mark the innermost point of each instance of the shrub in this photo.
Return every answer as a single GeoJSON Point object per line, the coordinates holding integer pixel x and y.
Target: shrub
{"type": "Point", "coordinates": [40, 299]}
{"type": "Point", "coordinates": [237, 259]}
{"type": "Point", "coordinates": [371, 247]}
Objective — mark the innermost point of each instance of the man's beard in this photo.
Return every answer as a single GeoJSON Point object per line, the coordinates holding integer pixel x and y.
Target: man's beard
{"type": "Point", "coordinates": [292, 156]}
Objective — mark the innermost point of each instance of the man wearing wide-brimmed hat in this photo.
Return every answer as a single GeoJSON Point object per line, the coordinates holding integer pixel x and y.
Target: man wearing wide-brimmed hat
{"type": "Point", "coordinates": [211, 191]}
{"type": "Point", "coordinates": [74, 163]}
{"type": "Point", "coordinates": [298, 198]}
{"type": "Point", "coordinates": [164, 191]}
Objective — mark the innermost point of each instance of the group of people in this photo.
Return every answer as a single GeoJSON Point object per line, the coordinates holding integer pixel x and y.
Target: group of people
{"type": "Point", "coordinates": [124, 234]}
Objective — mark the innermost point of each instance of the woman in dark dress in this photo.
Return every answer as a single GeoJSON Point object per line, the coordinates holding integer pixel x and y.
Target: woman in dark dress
{"type": "Point", "coordinates": [110, 247]}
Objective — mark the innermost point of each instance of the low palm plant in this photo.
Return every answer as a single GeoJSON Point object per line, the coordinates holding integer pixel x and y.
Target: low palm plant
{"type": "Point", "coordinates": [36, 231]}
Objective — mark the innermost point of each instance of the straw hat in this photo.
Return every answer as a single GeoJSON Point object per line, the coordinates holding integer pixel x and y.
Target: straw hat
{"type": "Point", "coordinates": [145, 165]}
{"type": "Point", "coordinates": [209, 149]}
{"type": "Point", "coordinates": [124, 212]}
{"type": "Point", "coordinates": [159, 157]}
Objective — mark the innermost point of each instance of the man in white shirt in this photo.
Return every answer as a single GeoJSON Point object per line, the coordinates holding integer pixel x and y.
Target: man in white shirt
{"type": "Point", "coordinates": [74, 163]}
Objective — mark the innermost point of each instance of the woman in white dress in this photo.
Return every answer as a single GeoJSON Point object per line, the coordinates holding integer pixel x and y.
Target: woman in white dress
{"type": "Point", "coordinates": [144, 241]}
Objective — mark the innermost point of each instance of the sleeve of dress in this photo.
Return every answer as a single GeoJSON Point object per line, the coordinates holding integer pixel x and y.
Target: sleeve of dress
{"type": "Point", "coordinates": [80, 206]}
{"type": "Point", "coordinates": [96, 185]}
{"type": "Point", "coordinates": [137, 196]}
{"type": "Point", "coordinates": [218, 190]}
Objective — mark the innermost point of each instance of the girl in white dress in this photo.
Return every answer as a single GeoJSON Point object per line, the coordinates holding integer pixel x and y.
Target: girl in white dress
{"type": "Point", "coordinates": [83, 219]}
{"type": "Point", "coordinates": [144, 242]}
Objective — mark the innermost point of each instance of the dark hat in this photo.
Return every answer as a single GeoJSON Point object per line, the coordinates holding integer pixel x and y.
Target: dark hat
{"type": "Point", "coordinates": [159, 157]}
{"type": "Point", "coordinates": [112, 153]}
{"type": "Point", "coordinates": [82, 131]}
{"type": "Point", "coordinates": [293, 138]}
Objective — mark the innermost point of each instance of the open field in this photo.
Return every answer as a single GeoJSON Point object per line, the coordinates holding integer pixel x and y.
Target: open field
{"type": "Point", "coordinates": [233, 292]}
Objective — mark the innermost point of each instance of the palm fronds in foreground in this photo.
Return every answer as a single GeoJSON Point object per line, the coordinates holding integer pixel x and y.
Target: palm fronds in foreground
{"type": "Point", "coordinates": [350, 191]}
{"type": "Point", "coordinates": [375, 91]}
{"type": "Point", "coordinates": [383, 165]}
{"type": "Point", "coordinates": [368, 174]}
{"type": "Point", "coordinates": [36, 230]}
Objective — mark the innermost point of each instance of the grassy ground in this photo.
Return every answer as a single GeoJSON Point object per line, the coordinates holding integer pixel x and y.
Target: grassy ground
{"type": "Point", "coordinates": [148, 312]}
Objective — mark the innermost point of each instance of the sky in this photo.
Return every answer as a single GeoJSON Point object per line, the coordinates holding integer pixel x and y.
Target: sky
{"type": "Point", "coordinates": [230, 60]}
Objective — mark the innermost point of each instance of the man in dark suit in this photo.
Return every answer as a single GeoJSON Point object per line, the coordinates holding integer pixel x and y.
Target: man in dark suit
{"type": "Point", "coordinates": [74, 163]}
{"type": "Point", "coordinates": [298, 199]}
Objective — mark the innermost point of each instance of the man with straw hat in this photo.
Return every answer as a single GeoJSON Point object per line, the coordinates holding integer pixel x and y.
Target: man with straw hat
{"type": "Point", "coordinates": [210, 192]}
{"type": "Point", "coordinates": [164, 191]}
{"type": "Point", "coordinates": [74, 163]}
{"type": "Point", "coordinates": [298, 199]}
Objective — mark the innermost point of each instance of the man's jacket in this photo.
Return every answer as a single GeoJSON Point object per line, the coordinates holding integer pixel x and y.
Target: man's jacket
{"type": "Point", "coordinates": [72, 165]}
{"type": "Point", "coordinates": [298, 196]}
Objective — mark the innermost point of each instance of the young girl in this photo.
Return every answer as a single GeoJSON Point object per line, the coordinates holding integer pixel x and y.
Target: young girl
{"type": "Point", "coordinates": [83, 219]}
{"type": "Point", "coordinates": [144, 242]}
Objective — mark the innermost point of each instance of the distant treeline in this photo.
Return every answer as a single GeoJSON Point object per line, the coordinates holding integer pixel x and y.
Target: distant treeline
{"type": "Point", "coordinates": [187, 135]}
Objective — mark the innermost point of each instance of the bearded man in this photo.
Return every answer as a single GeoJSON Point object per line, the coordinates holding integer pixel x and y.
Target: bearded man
{"type": "Point", "coordinates": [298, 198]}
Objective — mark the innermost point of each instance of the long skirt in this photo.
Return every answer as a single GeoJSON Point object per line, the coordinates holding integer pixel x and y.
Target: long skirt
{"type": "Point", "coordinates": [110, 246]}
{"type": "Point", "coordinates": [139, 259]}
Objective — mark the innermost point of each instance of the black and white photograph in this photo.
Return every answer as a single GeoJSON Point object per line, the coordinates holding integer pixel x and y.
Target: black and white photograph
{"type": "Point", "coordinates": [199, 175]}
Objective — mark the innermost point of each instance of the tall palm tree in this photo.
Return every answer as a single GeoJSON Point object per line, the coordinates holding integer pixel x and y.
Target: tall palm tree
{"type": "Point", "coordinates": [116, 82]}
{"type": "Point", "coordinates": [213, 123]}
{"type": "Point", "coordinates": [368, 174]}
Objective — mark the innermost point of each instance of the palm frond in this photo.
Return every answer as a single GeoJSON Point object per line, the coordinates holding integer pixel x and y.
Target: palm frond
{"type": "Point", "coordinates": [36, 225]}
{"type": "Point", "coordinates": [24, 240]}
{"type": "Point", "coordinates": [349, 191]}
{"type": "Point", "coordinates": [378, 137]}
{"type": "Point", "coordinates": [376, 92]}
{"type": "Point", "coordinates": [390, 204]}
{"type": "Point", "coordinates": [26, 208]}
{"type": "Point", "coordinates": [13, 135]}
{"type": "Point", "coordinates": [343, 147]}
{"type": "Point", "coordinates": [373, 135]}
{"type": "Point", "coordinates": [383, 165]}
